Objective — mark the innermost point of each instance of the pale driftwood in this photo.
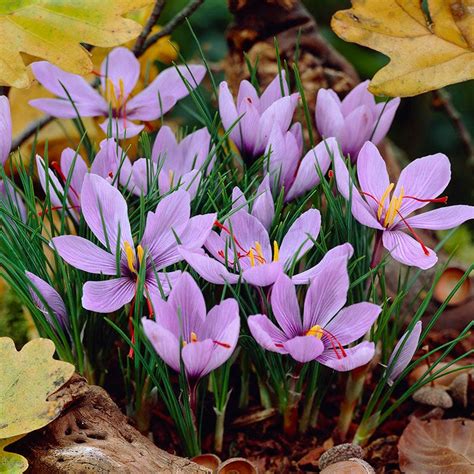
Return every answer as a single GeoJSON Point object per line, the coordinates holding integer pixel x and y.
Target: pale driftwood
{"type": "Point", "coordinates": [93, 435]}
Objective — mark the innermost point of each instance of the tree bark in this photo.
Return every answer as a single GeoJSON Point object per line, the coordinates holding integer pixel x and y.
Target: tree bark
{"type": "Point", "coordinates": [93, 435]}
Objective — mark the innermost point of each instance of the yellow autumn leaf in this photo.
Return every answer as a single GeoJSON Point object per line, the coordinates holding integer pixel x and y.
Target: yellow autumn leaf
{"type": "Point", "coordinates": [427, 50]}
{"type": "Point", "coordinates": [27, 378]}
{"type": "Point", "coordinates": [53, 30]}
{"type": "Point", "coordinates": [11, 463]}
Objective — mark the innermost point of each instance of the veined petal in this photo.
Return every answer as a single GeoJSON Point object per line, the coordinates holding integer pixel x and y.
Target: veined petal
{"type": "Point", "coordinates": [408, 343]}
{"type": "Point", "coordinates": [329, 118]}
{"type": "Point", "coordinates": [357, 129]}
{"type": "Point", "coordinates": [407, 250]}
{"type": "Point", "coordinates": [285, 306]}
{"type": "Point", "coordinates": [5, 129]}
{"type": "Point", "coordinates": [266, 333]}
{"type": "Point", "coordinates": [105, 211]}
{"type": "Point", "coordinates": [443, 218]}
{"type": "Point", "coordinates": [229, 114]}
{"type": "Point", "coordinates": [262, 275]}
{"type": "Point", "coordinates": [84, 255]}
{"type": "Point", "coordinates": [263, 206]}
{"type": "Point", "coordinates": [165, 146]}
{"type": "Point", "coordinates": [384, 114]}
{"type": "Point", "coordinates": [72, 164]}
{"type": "Point", "coordinates": [304, 348]}
{"type": "Point", "coordinates": [238, 200]}
{"type": "Point", "coordinates": [356, 356]}
{"type": "Point", "coordinates": [277, 89]}
{"type": "Point", "coordinates": [50, 184]}
{"type": "Point", "coordinates": [197, 358]}
{"type": "Point", "coordinates": [121, 128]}
{"type": "Point", "coordinates": [247, 91]}
{"type": "Point", "coordinates": [109, 295]}
{"type": "Point", "coordinates": [358, 96]}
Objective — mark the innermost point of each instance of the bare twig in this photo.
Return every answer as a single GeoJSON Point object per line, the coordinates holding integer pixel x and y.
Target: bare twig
{"type": "Point", "coordinates": [30, 130]}
{"type": "Point", "coordinates": [155, 15]}
{"type": "Point", "coordinates": [442, 99]}
{"type": "Point", "coordinates": [174, 22]}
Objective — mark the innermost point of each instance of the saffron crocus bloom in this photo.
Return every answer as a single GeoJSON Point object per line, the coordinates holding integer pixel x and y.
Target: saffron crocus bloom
{"type": "Point", "coordinates": [254, 117]}
{"type": "Point", "coordinates": [383, 206]}
{"type": "Point", "coordinates": [119, 74]}
{"type": "Point", "coordinates": [109, 162]}
{"type": "Point", "coordinates": [243, 250]}
{"type": "Point", "coordinates": [355, 119]}
{"type": "Point", "coordinates": [105, 212]}
{"type": "Point", "coordinates": [399, 361]}
{"type": "Point", "coordinates": [288, 170]}
{"type": "Point", "coordinates": [52, 298]}
{"type": "Point", "coordinates": [326, 328]}
{"type": "Point", "coordinates": [174, 163]}
{"type": "Point", "coordinates": [5, 129]}
{"type": "Point", "coordinates": [262, 206]}
{"type": "Point", "coordinates": [182, 328]}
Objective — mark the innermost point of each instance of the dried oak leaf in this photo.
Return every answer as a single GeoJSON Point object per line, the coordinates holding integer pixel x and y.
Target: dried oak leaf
{"type": "Point", "coordinates": [54, 29]}
{"type": "Point", "coordinates": [445, 446]}
{"type": "Point", "coordinates": [11, 463]}
{"type": "Point", "coordinates": [428, 50]}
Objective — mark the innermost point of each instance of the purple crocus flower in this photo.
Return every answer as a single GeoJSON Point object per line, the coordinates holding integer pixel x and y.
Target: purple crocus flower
{"type": "Point", "coordinates": [262, 207]}
{"type": "Point", "coordinates": [326, 329]}
{"type": "Point", "coordinates": [355, 119]}
{"type": "Point", "coordinates": [174, 163]}
{"type": "Point", "coordinates": [243, 250]}
{"type": "Point", "coordinates": [109, 162]}
{"type": "Point", "coordinates": [11, 200]}
{"type": "Point", "coordinates": [375, 205]}
{"type": "Point", "coordinates": [5, 129]}
{"type": "Point", "coordinates": [119, 74]}
{"type": "Point", "coordinates": [256, 115]}
{"type": "Point", "coordinates": [105, 212]}
{"type": "Point", "coordinates": [408, 343]}
{"type": "Point", "coordinates": [182, 329]}
{"type": "Point", "coordinates": [288, 170]}
{"type": "Point", "coordinates": [52, 298]}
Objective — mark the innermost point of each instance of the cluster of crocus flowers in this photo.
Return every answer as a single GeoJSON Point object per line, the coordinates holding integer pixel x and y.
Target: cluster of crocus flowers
{"type": "Point", "coordinates": [119, 74]}
{"type": "Point", "coordinates": [183, 331]}
{"type": "Point", "coordinates": [174, 164]}
{"type": "Point", "coordinates": [379, 204]}
{"type": "Point", "coordinates": [106, 213]}
{"type": "Point", "coordinates": [326, 329]}
{"type": "Point", "coordinates": [250, 120]}
{"type": "Point", "coordinates": [242, 250]}
{"type": "Point", "coordinates": [354, 120]}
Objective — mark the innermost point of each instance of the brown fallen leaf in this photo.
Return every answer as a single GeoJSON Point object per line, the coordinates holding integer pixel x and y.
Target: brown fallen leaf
{"type": "Point", "coordinates": [427, 51]}
{"type": "Point", "coordinates": [445, 446]}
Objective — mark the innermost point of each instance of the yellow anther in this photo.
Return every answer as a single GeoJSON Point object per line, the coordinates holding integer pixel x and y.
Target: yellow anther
{"type": "Point", "coordinates": [130, 256]}
{"type": "Point", "coordinates": [194, 337]}
{"type": "Point", "coordinates": [276, 251]}
{"type": "Point", "coordinates": [171, 177]}
{"type": "Point", "coordinates": [252, 258]}
{"type": "Point", "coordinates": [258, 248]}
{"type": "Point", "coordinates": [315, 331]}
{"type": "Point", "coordinates": [393, 208]}
{"type": "Point", "coordinates": [140, 253]}
{"type": "Point", "coordinates": [183, 343]}
{"type": "Point", "coordinates": [383, 198]}
{"type": "Point", "coordinates": [110, 93]}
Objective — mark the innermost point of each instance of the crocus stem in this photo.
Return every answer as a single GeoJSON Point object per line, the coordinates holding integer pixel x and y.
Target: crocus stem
{"type": "Point", "coordinates": [377, 251]}
{"type": "Point", "coordinates": [244, 381]}
{"type": "Point", "coordinates": [354, 387]}
{"type": "Point", "coordinates": [290, 415]}
{"type": "Point", "coordinates": [306, 416]}
{"type": "Point", "coordinates": [265, 399]}
{"type": "Point", "coordinates": [366, 429]}
{"type": "Point", "coordinates": [219, 430]}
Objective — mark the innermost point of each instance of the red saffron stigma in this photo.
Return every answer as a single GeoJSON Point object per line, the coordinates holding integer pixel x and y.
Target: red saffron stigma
{"type": "Point", "coordinates": [57, 168]}
{"type": "Point", "coordinates": [443, 199]}
{"type": "Point", "coordinates": [222, 344]}
{"type": "Point", "coordinates": [331, 174]}
{"type": "Point", "coordinates": [415, 235]}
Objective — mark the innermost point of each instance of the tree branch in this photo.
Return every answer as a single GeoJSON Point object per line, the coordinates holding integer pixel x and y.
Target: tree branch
{"type": "Point", "coordinates": [138, 49]}
{"type": "Point", "coordinates": [30, 130]}
{"type": "Point", "coordinates": [442, 100]}
{"type": "Point", "coordinates": [173, 23]}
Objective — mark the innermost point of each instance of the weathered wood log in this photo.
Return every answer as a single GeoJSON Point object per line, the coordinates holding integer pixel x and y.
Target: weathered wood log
{"type": "Point", "coordinates": [257, 22]}
{"type": "Point", "coordinates": [93, 435]}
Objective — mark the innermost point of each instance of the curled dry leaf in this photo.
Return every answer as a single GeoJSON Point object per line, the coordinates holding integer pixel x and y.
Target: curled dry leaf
{"type": "Point", "coordinates": [11, 463]}
{"type": "Point", "coordinates": [427, 51]}
{"type": "Point", "coordinates": [54, 29]}
{"type": "Point", "coordinates": [446, 444]}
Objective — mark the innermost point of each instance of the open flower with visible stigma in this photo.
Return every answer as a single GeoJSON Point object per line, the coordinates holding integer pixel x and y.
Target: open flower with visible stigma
{"type": "Point", "coordinates": [105, 212]}
{"type": "Point", "coordinates": [326, 328]}
{"type": "Point", "coordinates": [251, 120]}
{"type": "Point", "coordinates": [174, 164]}
{"type": "Point", "coordinates": [110, 163]}
{"type": "Point", "coordinates": [355, 119]}
{"type": "Point", "coordinates": [119, 74]}
{"type": "Point", "coordinates": [182, 329]}
{"type": "Point", "coordinates": [243, 250]}
{"type": "Point", "coordinates": [55, 304]}
{"type": "Point", "coordinates": [379, 204]}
